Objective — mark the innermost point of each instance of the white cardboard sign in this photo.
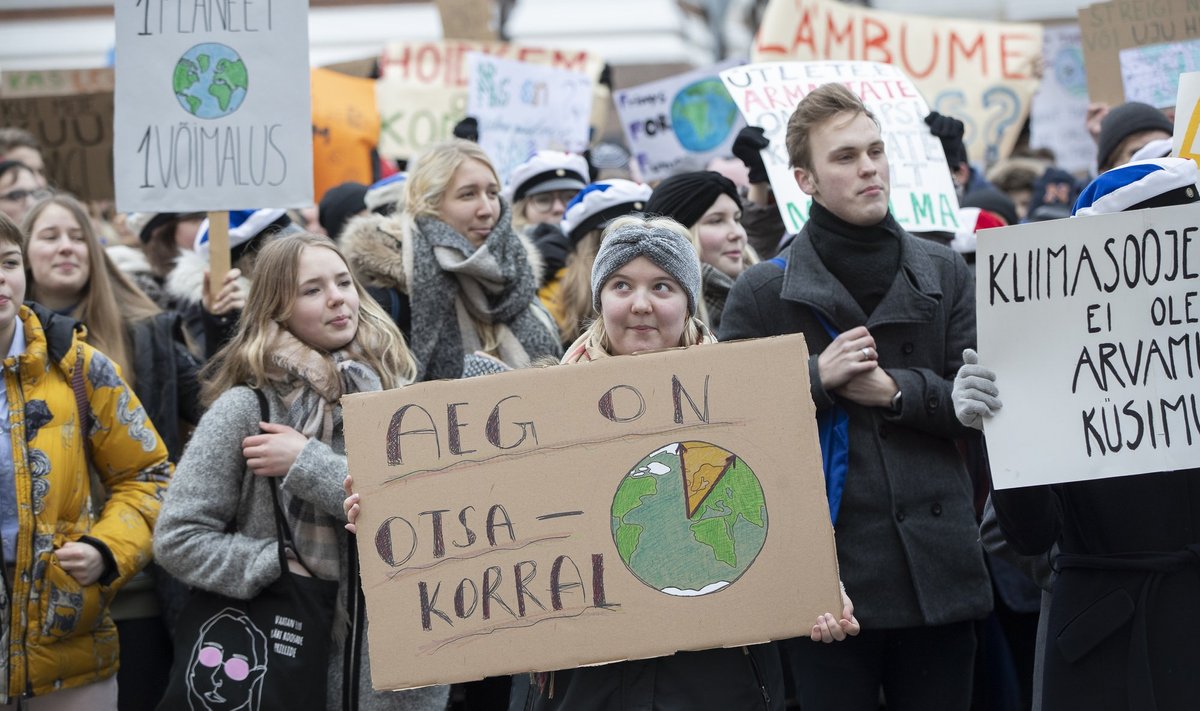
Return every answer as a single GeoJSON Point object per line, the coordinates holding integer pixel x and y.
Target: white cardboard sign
{"type": "Point", "coordinates": [1092, 325]}
{"type": "Point", "coordinates": [213, 108]}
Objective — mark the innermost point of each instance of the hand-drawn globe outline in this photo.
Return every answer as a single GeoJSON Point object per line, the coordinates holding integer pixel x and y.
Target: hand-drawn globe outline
{"type": "Point", "coordinates": [689, 546]}
{"type": "Point", "coordinates": [719, 114]}
{"type": "Point", "coordinates": [210, 80]}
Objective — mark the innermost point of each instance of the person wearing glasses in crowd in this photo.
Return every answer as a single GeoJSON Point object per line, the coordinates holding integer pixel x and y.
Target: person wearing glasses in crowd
{"type": "Point", "coordinates": [19, 189]}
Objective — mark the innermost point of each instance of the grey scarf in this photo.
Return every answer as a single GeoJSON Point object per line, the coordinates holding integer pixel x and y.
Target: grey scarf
{"type": "Point", "coordinates": [453, 285]}
{"type": "Point", "coordinates": [715, 287]}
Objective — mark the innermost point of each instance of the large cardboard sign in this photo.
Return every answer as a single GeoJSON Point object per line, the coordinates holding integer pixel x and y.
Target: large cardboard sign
{"type": "Point", "coordinates": [922, 196]}
{"type": "Point", "coordinates": [1091, 325]}
{"type": "Point", "coordinates": [345, 128]}
{"type": "Point", "coordinates": [76, 136]}
{"type": "Point", "coordinates": [422, 92]}
{"type": "Point", "coordinates": [626, 508]}
{"type": "Point", "coordinates": [1151, 25]}
{"type": "Point", "coordinates": [679, 123]}
{"type": "Point", "coordinates": [980, 72]}
{"type": "Point", "coordinates": [1056, 118]}
{"type": "Point", "coordinates": [523, 108]}
{"type": "Point", "coordinates": [212, 106]}
{"type": "Point", "coordinates": [1186, 138]}
{"type": "Point", "coordinates": [54, 82]}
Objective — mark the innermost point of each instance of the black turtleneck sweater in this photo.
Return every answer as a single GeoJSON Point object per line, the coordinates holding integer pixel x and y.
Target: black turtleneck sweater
{"type": "Point", "coordinates": [863, 259]}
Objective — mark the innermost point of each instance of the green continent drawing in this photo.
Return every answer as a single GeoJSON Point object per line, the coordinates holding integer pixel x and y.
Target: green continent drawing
{"type": "Point", "coordinates": [689, 519]}
{"type": "Point", "coordinates": [703, 115]}
{"type": "Point", "coordinates": [211, 81]}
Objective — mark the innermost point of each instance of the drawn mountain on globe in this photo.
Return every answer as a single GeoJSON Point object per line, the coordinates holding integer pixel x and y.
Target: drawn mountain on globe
{"type": "Point", "coordinates": [689, 519]}
{"type": "Point", "coordinates": [210, 81]}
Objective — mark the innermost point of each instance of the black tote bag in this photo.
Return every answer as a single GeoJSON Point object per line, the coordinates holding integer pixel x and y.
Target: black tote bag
{"type": "Point", "coordinates": [269, 652]}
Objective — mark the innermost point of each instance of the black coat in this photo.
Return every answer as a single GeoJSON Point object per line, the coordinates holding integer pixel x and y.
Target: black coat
{"type": "Point", "coordinates": [1124, 626]}
{"type": "Point", "coordinates": [739, 678]}
{"type": "Point", "coordinates": [907, 538]}
{"type": "Point", "coordinates": [166, 379]}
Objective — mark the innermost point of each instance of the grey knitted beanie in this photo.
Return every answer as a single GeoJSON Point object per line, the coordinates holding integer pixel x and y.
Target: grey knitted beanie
{"type": "Point", "coordinates": [672, 252]}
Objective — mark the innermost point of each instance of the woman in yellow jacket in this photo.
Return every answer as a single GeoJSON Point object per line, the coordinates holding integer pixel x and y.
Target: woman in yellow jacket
{"type": "Point", "coordinates": [62, 564]}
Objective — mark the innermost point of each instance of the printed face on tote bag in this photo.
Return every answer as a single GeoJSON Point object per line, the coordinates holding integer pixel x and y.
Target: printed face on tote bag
{"type": "Point", "coordinates": [227, 664]}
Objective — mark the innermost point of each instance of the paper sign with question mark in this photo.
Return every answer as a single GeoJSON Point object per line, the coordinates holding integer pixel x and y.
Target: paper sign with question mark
{"type": "Point", "coordinates": [1186, 143]}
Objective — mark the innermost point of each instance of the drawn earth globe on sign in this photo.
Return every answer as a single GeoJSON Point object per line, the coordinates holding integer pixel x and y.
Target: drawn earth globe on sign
{"type": "Point", "coordinates": [210, 81]}
{"type": "Point", "coordinates": [703, 114]}
{"type": "Point", "coordinates": [689, 519]}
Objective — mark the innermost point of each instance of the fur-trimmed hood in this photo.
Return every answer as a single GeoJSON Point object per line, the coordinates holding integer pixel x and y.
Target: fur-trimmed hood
{"type": "Point", "coordinates": [185, 283]}
{"type": "Point", "coordinates": [374, 245]}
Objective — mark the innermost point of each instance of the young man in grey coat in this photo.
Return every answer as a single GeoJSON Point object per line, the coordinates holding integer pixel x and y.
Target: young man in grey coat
{"type": "Point", "coordinates": [902, 310]}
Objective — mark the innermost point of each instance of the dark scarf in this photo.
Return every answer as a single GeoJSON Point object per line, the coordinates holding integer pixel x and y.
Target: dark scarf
{"type": "Point", "coordinates": [864, 259]}
{"type": "Point", "coordinates": [715, 287]}
{"type": "Point", "coordinates": [453, 285]}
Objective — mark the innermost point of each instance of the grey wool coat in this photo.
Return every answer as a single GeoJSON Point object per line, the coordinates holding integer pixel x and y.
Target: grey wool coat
{"type": "Point", "coordinates": [213, 492]}
{"type": "Point", "coordinates": [907, 539]}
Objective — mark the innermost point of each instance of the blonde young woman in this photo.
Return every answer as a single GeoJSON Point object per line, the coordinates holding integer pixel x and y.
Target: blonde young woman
{"type": "Point", "coordinates": [449, 269]}
{"type": "Point", "coordinates": [645, 288]}
{"type": "Point", "coordinates": [309, 335]}
{"type": "Point", "coordinates": [708, 204]}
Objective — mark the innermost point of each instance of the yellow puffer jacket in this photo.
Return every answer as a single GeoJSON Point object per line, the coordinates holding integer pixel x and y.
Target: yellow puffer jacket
{"type": "Point", "coordinates": [58, 634]}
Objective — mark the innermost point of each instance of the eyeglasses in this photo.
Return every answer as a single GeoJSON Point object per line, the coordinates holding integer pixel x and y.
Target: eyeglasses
{"type": "Point", "coordinates": [544, 202]}
{"type": "Point", "coordinates": [235, 668]}
{"type": "Point", "coordinates": [23, 195]}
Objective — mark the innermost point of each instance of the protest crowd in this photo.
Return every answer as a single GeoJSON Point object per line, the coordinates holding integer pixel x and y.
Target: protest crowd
{"type": "Point", "coordinates": [174, 443]}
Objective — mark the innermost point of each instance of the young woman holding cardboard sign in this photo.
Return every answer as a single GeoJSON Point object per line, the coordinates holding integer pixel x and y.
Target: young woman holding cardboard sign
{"type": "Point", "coordinates": [645, 286]}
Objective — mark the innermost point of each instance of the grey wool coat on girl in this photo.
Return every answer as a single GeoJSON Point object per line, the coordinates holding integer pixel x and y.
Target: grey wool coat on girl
{"type": "Point", "coordinates": [213, 491]}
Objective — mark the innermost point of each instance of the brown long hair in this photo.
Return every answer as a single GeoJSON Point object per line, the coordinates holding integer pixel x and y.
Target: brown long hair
{"type": "Point", "coordinates": [109, 301]}
{"type": "Point", "coordinates": [272, 295]}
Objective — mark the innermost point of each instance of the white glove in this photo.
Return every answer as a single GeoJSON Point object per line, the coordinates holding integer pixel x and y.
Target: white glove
{"type": "Point", "coordinates": [975, 394]}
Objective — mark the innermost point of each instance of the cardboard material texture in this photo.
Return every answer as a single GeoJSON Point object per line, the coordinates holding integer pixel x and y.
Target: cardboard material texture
{"type": "Point", "coordinates": [1110, 27]}
{"type": "Point", "coordinates": [76, 136]}
{"type": "Point", "coordinates": [980, 72]}
{"type": "Point", "coordinates": [467, 19]}
{"type": "Point", "coordinates": [16, 83]}
{"type": "Point", "coordinates": [1186, 138]}
{"type": "Point", "coordinates": [626, 508]}
{"type": "Point", "coordinates": [1090, 326]}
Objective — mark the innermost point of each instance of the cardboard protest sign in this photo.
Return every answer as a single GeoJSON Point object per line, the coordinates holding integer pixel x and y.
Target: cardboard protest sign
{"type": "Point", "coordinates": [345, 127]}
{"type": "Point", "coordinates": [556, 517]}
{"type": "Point", "coordinates": [55, 82]}
{"type": "Point", "coordinates": [212, 106]}
{"type": "Point", "coordinates": [1110, 27]}
{"type": "Point", "coordinates": [422, 92]}
{"type": "Point", "coordinates": [1186, 139]}
{"type": "Point", "coordinates": [922, 196]}
{"type": "Point", "coordinates": [979, 72]}
{"type": "Point", "coordinates": [523, 108]}
{"type": "Point", "coordinates": [1091, 326]}
{"type": "Point", "coordinates": [466, 19]}
{"type": "Point", "coordinates": [679, 123]}
{"type": "Point", "coordinates": [76, 136]}
{"type": "Point", "coordinates": [1056, 118]}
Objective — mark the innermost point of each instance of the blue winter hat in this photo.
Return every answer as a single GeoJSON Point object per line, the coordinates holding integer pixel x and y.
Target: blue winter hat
{"type": "Point", "coordinates": [1140, 185]}
{"type": "Point", "coordinates": [244, 227]}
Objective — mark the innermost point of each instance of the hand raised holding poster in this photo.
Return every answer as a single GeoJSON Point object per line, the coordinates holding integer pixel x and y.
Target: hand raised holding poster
{"type": "Point", "coordinates": [626, 508]}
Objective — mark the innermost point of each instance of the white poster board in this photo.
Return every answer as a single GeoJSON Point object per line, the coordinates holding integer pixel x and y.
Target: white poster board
{"type": "Point", "coordinates": [523, 108]}
{"type": "Point", "coordinates": [1151, 73]}
{"type": "Point", "coordinates": [1090, 324]}
{"type": "Point", "coordinates": [1186, 139]}
{"type": "Point", "coordinates": [1056, 116]}
{"type": "Point", "coordinates": [212, 106]}
{"type": "Point", "coordinates": [922, 197]}
{"type": "Point", "coordinates": [679, 123]}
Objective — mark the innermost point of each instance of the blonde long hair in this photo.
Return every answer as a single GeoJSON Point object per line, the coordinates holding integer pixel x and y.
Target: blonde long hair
{"type": "Point", "coordinates": [109, 301]}
{"type": "Point", "coordinates": [575, 294]}
{"type": "Point", "coordinates": [272, 295]}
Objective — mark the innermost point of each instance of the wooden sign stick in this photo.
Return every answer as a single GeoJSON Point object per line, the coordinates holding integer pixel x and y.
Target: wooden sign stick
{"type": "Point", "coordinates": [218, 252]}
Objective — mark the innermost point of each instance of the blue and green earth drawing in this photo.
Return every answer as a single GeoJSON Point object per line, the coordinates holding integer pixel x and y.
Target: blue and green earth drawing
{"type": "Point", "coordinates": [210, 81]}
{"type": "Point", "coordinates": [689, 519]}
{"type": "Point", "coordinates": [703, 114]}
